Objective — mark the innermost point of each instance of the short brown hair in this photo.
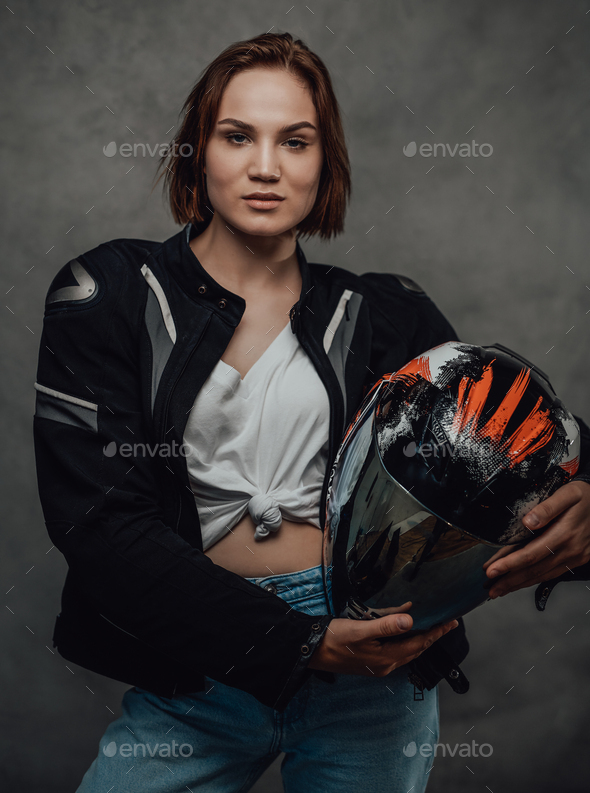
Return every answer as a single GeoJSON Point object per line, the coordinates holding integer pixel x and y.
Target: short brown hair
{"type": "Point", "coordinates": [184, 177]}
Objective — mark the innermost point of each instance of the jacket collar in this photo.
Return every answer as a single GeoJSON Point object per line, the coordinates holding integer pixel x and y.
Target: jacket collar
{"type": "Point", "coordinates": [190, 274]}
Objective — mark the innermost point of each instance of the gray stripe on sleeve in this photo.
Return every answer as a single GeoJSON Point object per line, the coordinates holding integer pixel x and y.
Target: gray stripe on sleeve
{"type": "Point", "coordinates": [50, 407]}
{"type": "Point", "coordinates": [161, 342]}
{"type": "Point", "coordinates": [338, 351]}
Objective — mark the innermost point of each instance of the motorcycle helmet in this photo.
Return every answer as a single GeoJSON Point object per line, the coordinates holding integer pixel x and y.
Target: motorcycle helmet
{"type": "Point", "coordinates": [438, 466]}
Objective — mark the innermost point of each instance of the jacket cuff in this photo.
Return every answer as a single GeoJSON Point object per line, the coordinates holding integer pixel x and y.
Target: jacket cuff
{"type": "Point", "coordinates": [301, 672]}
{"type": "Point", "coordinates": [427, 672]}
{"type": "Point", "coordinates": [545, 588]}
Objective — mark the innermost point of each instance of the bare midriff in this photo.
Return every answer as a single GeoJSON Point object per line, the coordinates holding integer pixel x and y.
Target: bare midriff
{"type": "Point", "coordinates": [294, 546]}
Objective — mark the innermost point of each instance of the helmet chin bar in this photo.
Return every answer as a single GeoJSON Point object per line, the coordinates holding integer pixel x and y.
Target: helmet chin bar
{"type": "Point", "coordinates": [356, 611]}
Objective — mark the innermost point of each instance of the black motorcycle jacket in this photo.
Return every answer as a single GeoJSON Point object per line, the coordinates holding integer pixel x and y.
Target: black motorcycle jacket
{"type": "Point", "coordinates": [131, 331]}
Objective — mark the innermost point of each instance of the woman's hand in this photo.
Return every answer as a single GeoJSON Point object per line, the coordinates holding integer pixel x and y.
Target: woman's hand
{"type": "Point", "coordinates": [367, 647]}
{"type": "Point", "coordinates": [561, 547]}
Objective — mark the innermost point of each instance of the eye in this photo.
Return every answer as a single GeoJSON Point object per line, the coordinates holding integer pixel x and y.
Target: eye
{"type": "Point", "coordinates": [233, 135]}
{"type": "Point", "coordinates": [301, 144]}
{"type": "Point", "coordinates": [297, 140]}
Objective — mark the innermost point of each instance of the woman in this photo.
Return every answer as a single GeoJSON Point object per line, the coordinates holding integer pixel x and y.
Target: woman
{"type": "Point", "coordinates": [181, 564]}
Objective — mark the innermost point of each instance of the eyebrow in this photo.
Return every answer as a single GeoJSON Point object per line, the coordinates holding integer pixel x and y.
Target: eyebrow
{"type": "Point", "coordinates": [250, 128]}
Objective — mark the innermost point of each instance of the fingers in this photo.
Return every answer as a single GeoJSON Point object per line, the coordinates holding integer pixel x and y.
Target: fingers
{"type": "Point", "coordinates": [554, 565]}
{"type": "Point", "coordinates": [435, 633]}
{"type": "Point", "coordinates": [531, 577]}
{"type": "Point", "coordinates": [499, 554]}
{"type": "Point", "coordinates": [547, 510]}
{"type": "Point", "coordinates": [567, 510]}
{"type": "Point", "coordinates": [404, 607]}
{"type": "Point", "coordinates": [413, 646]}
{"type": "Point", "coordinates": [533, 553]}
{"type": "Point", "coordinates": [362, 647]}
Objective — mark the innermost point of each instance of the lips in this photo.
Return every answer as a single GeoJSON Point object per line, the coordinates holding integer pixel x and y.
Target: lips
{"type": "Point", "coordinates": [264, 196]}
{"type": "Point", "coordinates": [263, 202]}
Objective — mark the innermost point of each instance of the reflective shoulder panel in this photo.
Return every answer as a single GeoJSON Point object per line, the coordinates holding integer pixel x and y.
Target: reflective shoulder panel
{"type": "Point", "coordinates": [73, 282]}
{"type": "Point", "coordinates": [408, 284]}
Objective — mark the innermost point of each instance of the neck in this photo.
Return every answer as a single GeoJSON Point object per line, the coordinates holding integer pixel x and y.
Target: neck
{"type": "Point", "coordinates": [244, 262]}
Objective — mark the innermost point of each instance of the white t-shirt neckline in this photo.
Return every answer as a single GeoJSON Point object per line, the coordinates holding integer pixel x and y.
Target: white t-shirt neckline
{"type": "Point", "coordinates": [225, 371]}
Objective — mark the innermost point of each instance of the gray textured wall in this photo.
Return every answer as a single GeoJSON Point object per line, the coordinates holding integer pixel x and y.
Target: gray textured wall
{"type": "Point", "coordinates": [514, 75]}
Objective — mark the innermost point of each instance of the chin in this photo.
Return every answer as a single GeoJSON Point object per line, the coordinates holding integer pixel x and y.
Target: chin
{"type": "Point", "coordinates": [263, 229]}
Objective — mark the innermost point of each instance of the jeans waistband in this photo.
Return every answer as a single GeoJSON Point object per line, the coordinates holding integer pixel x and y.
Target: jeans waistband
{"type": "Point", "coordinates": [301, 585]}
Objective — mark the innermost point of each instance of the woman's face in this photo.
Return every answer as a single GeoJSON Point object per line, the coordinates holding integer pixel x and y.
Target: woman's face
{"type": "Point", "coordinates": [251, 150]}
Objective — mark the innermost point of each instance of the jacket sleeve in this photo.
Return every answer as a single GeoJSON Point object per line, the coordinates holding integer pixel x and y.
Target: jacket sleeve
{"type": "Point", "coordinates": [102, 511]}
{"type": "Point", "coordinates": [581, 573]}
{"type": "Point", "coordinates": [583, 473]}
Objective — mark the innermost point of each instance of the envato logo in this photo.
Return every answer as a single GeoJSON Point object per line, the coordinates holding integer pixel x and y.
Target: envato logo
{"type": "Point", "coordinates": [465, 149]}
{"type": "Point", "coordinates": [159, 149]}
{"type": "Point", "coordinates": [145, 749]}
{"type": "Point", "coordinates": [173, 449]}
{"type": "Point", "coordinates": [428, 449]}
{"type": "Point", "coordinates": [463, 749]}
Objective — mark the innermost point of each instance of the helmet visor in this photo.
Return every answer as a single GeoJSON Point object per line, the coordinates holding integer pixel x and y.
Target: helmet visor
{"type": "Point", "coordinates": [393, 548]}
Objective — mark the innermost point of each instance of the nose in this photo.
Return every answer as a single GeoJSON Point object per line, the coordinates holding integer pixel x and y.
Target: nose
{"type": "Point", "coordinates": [265, 162]}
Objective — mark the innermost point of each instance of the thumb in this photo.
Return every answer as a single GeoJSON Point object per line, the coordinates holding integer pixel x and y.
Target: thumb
{"type": "Point", "coordinates": [389, 625]}
{"type": "Point", "coordinates": [548, 509]}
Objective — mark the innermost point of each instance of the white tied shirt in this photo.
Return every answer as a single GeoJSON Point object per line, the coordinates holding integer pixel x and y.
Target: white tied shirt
{"type": "Point", "coordinates": [259, 444]}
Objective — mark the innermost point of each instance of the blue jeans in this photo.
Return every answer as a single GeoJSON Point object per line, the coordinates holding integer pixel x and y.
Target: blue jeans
{"type": "Point", "coordinates": [358, 733]}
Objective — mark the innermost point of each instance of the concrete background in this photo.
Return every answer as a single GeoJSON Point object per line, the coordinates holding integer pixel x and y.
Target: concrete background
{"type": "Point", "coordinates": [515, 75]}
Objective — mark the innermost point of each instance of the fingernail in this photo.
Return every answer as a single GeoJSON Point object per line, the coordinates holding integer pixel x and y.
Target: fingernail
{"type": "Point", "coordinates": [403, 622]}
{"type": "Point", "coordinates": [532, 520]}
{"type": "Point", "coordinates": [493, 573]}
